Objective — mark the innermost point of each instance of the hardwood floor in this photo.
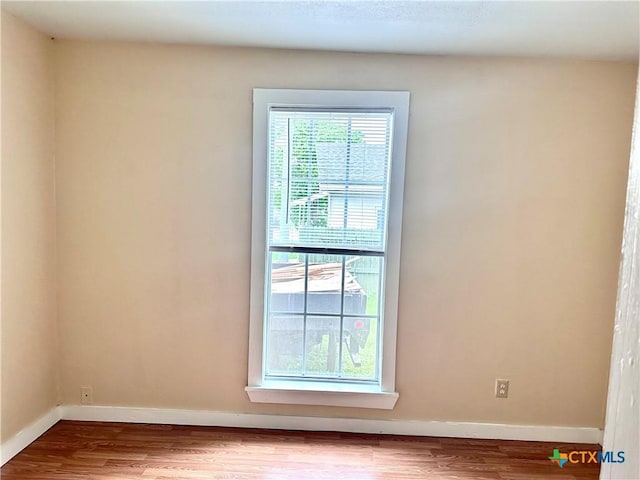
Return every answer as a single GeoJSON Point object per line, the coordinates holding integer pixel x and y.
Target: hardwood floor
{"type": "Point", "coordinates": [114, 451]}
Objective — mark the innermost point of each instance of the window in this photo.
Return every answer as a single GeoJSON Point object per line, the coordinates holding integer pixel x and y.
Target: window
{"type": "Point", "coordinates": [328, 176]}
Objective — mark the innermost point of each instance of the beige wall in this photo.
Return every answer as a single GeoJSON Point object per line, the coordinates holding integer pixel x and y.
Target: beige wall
{"type": "Point", "coordinates": [29, 345]}
{"type": "Point", "coordinates": [513, 213]}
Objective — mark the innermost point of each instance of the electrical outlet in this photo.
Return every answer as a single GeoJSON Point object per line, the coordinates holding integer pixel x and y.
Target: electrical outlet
{"type": "Point", "coordinates": [86, 395]}
{"type": "Point", "coordinates": [502, 388]}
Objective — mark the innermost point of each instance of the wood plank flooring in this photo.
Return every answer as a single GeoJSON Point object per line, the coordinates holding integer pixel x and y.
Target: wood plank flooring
{"type": "Point", "coordinates": [115, 451]}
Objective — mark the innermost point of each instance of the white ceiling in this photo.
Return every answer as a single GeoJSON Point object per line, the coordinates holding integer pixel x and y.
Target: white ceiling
{"type": "Point", "coordinates": [583, 29]}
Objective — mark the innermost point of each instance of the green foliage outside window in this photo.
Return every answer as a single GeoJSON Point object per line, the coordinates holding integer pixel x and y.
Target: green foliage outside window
{"type": "Point", "coordinates": [304, 168]}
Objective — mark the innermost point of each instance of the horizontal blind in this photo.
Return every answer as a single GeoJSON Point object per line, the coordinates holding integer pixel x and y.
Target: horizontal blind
{"type": "Point", "coordinates": [328, 178]}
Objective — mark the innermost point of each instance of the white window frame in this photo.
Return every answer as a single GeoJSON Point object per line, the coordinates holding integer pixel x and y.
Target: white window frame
{"type": "Point", "coordinates": [259, 389]}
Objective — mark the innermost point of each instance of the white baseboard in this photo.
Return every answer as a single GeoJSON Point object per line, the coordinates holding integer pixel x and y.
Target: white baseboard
{"type": "Point", "coordinates": [26, 436]}
{"type": "Point", "coordinates": [22, 439]}
{"type": "Point", "coordinates": [356, 425]}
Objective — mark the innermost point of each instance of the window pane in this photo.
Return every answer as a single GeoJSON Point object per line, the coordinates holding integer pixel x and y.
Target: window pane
{"type": "Point", "coordinates": [287, 282]}
{"type": "Point", "coordinates": [362, 285]}
{"type": "Point", "coordinates": [322, 347]}
{"type": "Point", "coordinates": [359, 348]}
{"type": "Point", "coordinates": [285, 344]}
{"type": "Point", "coordinates": [325, 283]}
{"type": "Point", "coordinates": [328, 178]}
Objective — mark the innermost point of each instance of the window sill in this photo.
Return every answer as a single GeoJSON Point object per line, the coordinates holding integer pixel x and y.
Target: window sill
{"type": "Point", "coordinates": [326, 394]}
